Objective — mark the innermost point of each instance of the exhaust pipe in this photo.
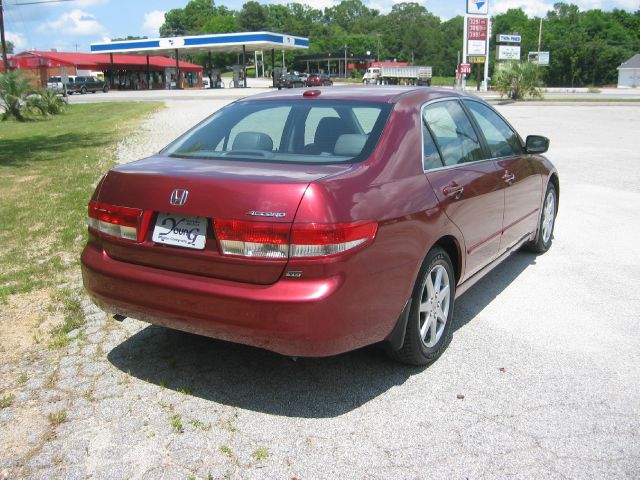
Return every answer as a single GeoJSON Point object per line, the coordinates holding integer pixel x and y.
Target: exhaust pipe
{"type": "Point", "coordinates": [119, 318]}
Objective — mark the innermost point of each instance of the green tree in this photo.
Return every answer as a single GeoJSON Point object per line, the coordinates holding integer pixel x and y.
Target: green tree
{"type": "Point", "coordinates": [352, 16]}
{"type": "Point", "coordinates": [10, 46]}
{"type": "Point", "coordinates": [253, 17]}
{"type": "Point", "coordinates": [128, 37]}
{"type": "Point", "coordinates": [411, 33]}
{"type": "Point", "coordinates": [452, 31]}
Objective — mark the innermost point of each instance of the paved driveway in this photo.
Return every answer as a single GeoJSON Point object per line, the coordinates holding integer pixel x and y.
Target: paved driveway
{"type": "Point", "coordinates": [541, 379]}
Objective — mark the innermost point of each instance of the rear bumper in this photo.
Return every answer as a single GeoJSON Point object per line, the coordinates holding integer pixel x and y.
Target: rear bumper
{"type": "Point", "coordinates": [293, 317]}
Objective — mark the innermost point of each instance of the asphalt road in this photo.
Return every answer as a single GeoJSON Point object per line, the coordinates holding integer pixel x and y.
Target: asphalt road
{"type": "Point", "coordinates": [541, 378]}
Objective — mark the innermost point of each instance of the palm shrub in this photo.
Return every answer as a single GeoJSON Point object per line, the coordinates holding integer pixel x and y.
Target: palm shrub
{"type": "Point", "coordinates": [13, 90]}
{"type": "Point", "coordinates": [519, 80]}
{"type": "Point", "coordinates": [45, 101]}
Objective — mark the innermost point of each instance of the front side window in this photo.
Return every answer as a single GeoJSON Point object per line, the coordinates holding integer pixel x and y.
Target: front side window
{"type": "Point", "coordinates": [502, 141]}
{"type": "Point", "coordinates": [296, 131]}
{"type": "Point", "coordinates": [453, 132]}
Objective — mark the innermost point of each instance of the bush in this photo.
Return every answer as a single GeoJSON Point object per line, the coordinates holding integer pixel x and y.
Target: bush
{"type": "Point", "coordinates": [519, 80]}
{"type": "Point", "coordinates": [18, 98]}
{"type": "Point", "coordinates": [13, 90]}
{"type": "Point", "coordinates": [46, 102]}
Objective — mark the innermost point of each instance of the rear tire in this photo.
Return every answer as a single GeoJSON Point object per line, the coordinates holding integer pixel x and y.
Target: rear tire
{"type": "Point", "coordinates": [431, 315]}
{"type": "Point", "coordinates": [547, 222]}
{"type": "Point", "coordinates": [83, 90]}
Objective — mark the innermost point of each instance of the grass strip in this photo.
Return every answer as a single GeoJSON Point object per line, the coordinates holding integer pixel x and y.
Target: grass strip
{"type": "Point", "coordinates": [48, 170]}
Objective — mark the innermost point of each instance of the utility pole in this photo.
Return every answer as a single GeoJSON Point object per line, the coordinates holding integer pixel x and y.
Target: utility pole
{"type": "Point", "coordinates": [345, 60]}
{"type": "Point", "coordinates": [5, 62]}
{"type": "Point", "coordinates": [539, 37]}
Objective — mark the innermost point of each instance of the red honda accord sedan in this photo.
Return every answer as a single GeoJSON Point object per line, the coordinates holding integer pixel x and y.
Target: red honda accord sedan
{"type": "Point", "coordinates": [313, 223]}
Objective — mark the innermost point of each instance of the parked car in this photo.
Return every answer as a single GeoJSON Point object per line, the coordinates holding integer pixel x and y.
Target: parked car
{"type": "Point", "coordinates": [312, 223]}
{"type": "Point", "coordinates": [304, 76]}
{"type": "Point", "coordinates": [87, 84]}
{"type": "Point", "coordinates": [289, 81]}
{"type": "Point", "coordinates": [55, 83]}
{"type": "Point", "coordinates": [319, 80]}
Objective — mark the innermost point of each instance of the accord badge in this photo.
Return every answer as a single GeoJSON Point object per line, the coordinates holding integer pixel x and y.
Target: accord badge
{"type": "Point", "coordinates": [253, 213]}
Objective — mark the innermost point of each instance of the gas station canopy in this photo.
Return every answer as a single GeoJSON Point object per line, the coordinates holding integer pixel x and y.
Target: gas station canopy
{"type": "Point", "coordinates": [215, 43]}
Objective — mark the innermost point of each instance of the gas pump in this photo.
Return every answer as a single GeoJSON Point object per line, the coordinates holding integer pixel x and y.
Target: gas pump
{"type": "Point", "coordinates": [238, 76]}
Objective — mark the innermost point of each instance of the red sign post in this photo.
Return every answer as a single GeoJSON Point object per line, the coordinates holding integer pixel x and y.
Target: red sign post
{"type": "Point", "coordinates": [464, 68]}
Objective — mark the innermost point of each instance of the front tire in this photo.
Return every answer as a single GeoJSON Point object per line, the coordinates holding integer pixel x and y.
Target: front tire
{"type": "Point", "coordinates": [83, 91]}
{"type": "Point", "coordinates": [431, 315]}
{"type": "Point", "coordinates": [547, 222]}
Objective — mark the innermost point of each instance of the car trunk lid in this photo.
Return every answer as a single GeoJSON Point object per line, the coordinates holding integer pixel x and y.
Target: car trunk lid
{"type": "Point", "coordinates": [231, 190]}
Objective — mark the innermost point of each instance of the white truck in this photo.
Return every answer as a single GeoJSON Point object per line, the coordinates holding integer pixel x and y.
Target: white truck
{"type": "Point", "coordinates": [391, 75]}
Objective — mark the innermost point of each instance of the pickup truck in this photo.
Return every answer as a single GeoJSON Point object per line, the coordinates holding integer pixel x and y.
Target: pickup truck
{"type": "Point", "coordinates": [55, 83]}
{"type": "Point", "coordinates": [87, 84]}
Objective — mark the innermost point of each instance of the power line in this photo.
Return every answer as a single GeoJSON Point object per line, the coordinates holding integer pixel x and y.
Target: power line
{"type": "Point", "coordinates": [43, 1]}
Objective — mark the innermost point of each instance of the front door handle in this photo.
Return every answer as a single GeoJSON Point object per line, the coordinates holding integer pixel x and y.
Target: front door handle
{"type": "Point", "coordinates": [453, 190]}
{"type": "Point", "coordinates": [508, 177]}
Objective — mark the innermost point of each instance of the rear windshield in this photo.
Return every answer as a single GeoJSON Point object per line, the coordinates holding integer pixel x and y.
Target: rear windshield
{"type": "Point", "coordinates": [295, 131]}
{"type": "Point", "coordinates": [53, 79]}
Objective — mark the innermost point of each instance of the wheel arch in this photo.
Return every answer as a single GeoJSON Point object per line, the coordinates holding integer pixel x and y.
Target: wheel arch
{"type": "Point", "coordinates": [553, 179]}
{"type": "Point", "coordinates": [450, 245]}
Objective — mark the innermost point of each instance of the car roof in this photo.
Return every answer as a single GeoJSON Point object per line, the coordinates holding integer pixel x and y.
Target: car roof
{"type": "Point", "coordinates": [378, 93]}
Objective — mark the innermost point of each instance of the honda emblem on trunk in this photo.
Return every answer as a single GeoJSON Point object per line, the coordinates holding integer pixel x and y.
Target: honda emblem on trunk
{"type": "Point", "coordinates": [178, 197]}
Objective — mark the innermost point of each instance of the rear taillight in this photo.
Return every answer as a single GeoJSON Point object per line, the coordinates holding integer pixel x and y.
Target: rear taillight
{"type": "Point", "coordinates": [120, 222]}
{"type": "Point", "coordinates": [253, 239]}
{"type": "Point", "coordinates": [322, 239]}
{"type": "Point", "coordinates": [280, 240]}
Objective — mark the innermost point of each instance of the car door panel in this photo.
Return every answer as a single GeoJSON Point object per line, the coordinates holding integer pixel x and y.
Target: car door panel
{"type": "Point", "coordinates": [472, 196]}
{"type": "Point", "coordinates": [523, 195]}
{"type": "Point", "coordinates": [522, 182]}
{"type": "Point", "coordinates": [469, 187]}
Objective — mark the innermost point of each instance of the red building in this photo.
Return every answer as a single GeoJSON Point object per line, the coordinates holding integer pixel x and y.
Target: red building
{"type": "Point", "coordinates": [121, 71]}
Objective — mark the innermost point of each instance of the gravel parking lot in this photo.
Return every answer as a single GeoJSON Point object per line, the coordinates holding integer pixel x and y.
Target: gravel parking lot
{"type": "Point", "coordinates": [541, 379]}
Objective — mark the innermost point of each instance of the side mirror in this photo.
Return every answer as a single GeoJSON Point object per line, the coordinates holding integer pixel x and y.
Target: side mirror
{"type": "Point", "coordinates": [536, 144]}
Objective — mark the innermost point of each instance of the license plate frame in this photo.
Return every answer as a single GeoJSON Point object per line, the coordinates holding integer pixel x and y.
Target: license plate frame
{"type": "Point", "coordinates": [178, 230]}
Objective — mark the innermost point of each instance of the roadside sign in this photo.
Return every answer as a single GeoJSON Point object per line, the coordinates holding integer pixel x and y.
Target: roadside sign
{"type": "Point", "coordinates": [508, 52]}
{"type": "Point", "coordinates": [477, 47]}
{"type": "Point", "coordinates": [509, 38]}
{"type": "Point", "coordinates": [476, 59]}
{"type": "Point", "coordinates": [464, 68]}
{"type": "Point", "coordinates": [478, 7]}
{"type": "Point", "coordinates": [477, 28]}
{"type": "Point", "coordinates": [541, 58]}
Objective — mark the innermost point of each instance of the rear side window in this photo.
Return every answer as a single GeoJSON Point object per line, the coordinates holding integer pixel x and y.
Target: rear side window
{"type": "Point", "coordinates": [295, 131]}
{"type": "Point", "coordinates": [430, 156]}
{"type": "Point", "coordinates": [453, 132]}
{"type": "Point", "coordinates": [502, 141]}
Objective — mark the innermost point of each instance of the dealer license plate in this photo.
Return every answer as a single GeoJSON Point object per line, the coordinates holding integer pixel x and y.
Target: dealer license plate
{"type": "Point", "coordinates": [180, 230]}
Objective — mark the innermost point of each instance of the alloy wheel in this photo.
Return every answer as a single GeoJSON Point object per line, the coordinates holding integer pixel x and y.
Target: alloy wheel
{"type": "Point", "coordinates": [548, 216]}
{"type": "Point", "coordinates": [434, 305]}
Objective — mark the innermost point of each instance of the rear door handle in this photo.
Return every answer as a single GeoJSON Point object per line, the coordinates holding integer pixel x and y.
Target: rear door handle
{"type": "Point", "coordinates": [453, 190]}
{"type": "Point", "coordinates": [508, 177]}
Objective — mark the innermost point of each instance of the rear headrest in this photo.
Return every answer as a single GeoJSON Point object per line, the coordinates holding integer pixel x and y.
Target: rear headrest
{"type": "Point", "coordinates": [328, 131]}
{"type": "Point", "coordinates": [252, 141]}
{"type": "Point", "coordinates": [350, 144]}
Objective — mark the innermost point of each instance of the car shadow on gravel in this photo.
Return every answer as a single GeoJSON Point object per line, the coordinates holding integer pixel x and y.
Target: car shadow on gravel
{"type": "Point", "coordinates": [482, 293]}
{"type": "Point", "coordinates": [258, 380]}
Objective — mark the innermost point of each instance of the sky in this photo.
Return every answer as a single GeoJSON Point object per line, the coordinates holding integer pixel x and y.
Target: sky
{"type": "Point", "coordinates": [73, 25]}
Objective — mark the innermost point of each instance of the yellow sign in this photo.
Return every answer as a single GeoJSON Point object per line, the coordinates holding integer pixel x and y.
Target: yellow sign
{"type": "Point", "coordinates": [476, 58]}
